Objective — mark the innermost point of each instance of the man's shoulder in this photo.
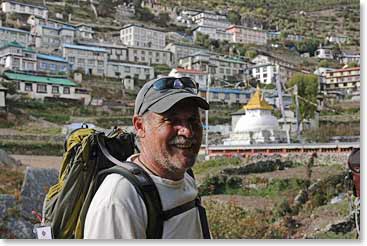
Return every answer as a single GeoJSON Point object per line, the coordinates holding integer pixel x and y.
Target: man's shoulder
{"type": "Point", "coordinates": [116, 188]}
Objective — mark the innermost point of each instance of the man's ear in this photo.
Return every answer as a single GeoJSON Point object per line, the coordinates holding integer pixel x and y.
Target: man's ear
{"type": "Point", "coordinates": [138, 123]}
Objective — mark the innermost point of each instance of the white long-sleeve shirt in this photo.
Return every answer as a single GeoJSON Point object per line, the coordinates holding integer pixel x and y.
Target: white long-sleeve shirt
{"type": "Point", "coordinates": [118, 212]}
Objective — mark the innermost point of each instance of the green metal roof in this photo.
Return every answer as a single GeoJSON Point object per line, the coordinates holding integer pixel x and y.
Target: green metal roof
{"type": "Point", "coordinates": [39, 79]}
{"type": "Point", "coordinates": [18, 45]}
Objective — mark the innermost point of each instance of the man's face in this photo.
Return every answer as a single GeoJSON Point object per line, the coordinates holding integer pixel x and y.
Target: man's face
{"type": "Point", "coordinates": [173, 139]}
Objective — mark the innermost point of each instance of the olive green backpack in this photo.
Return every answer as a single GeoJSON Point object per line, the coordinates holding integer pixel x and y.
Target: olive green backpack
{"type": "Point", "coordinates": [89, 157]}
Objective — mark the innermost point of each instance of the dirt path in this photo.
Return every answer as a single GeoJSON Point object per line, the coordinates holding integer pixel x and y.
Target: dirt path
{"type": "Point", "coordinates": [39, 161]}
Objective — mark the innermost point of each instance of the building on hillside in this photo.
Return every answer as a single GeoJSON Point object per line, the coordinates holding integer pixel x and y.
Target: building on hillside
{"type": "Point", "coordinates": [213, 33]}
{"type": "Point", "coordinates": [182, 50]}
{"type": "Point", "coordinates": [285, 69]}
{"type": "Point", "coordinates": [88, 59]}
{"type": "Point", "coordinates": [150, 56]}
{"type": "Point", "coordinates": [211, 20]}
{"type": "Point", "coordinates": [225, 95]}
{"type": "Point", "coordinates": [51, 38]}
{"type": "Point", "coordinates": [271, 35]}
{"type": "Point", "coordinates": [14, 56]}
{"type": "Point", "coordinates": [8, 34]}
{"type": "Point", "coordinates": [122, 70]}
{"type": "Point", "coordinates": [51, 64]}
{"type": "Point", "coordinates": [41, 87]}
{"type": "Point", "coordinates": [255, 124]}
{"type": "Point", "coordinates": [24, 8]}
{"type": "Point", "coordinates": [115, 52]}
{"type": "Point", "coordinates": [244, 35]}
{"type": "Point", "coordinates": [3, 92]}
{"type": "Point", "coordinates": [349, 57]}
{"type": "Point", "coordinates": [219, 66]}
{"type": "Point", "coordinates": [140, 36]}
{"type": "Point", "coordinates": [345, 80]}
{"type": "Point", "coordinates": [337, 39]}
{"type": "Point", "coordinates": [324, 53]}
{"type": "Point", "coordinates": [84, 32]}
{"type": "Point", "coordinates": [198, 76]}
{"type": "Point", "coordinates": [264, 73]}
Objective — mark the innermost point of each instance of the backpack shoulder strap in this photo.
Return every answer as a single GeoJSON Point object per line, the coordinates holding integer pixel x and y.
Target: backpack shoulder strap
{"type": "Point", "coordinates": [144, 186]}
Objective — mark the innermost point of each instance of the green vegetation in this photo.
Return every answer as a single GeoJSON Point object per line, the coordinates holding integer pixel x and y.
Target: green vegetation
{"type": "Point", "coordinates": [307, 89]}
{"type": "Point", "coordinates": [228, 221]}
{"type": "Point", "coordinates": [215, 164]}
{"type": "Point", "coordinates": [11, 180]}
{"type": "Point", "coordinates": [32, 148]}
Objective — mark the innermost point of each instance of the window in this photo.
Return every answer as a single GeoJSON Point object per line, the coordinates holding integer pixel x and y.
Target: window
{"type": "Point", "coordinates": [146, 70]}
{"type": "Point", "coordinates": [215, 95]}
{"type": "Point", "coordinates": [41, 88]}
{"type": "Point", "coordinates": [81, 61]}
{"type": "Point", "coordinates": [66, 90]}
{"type": "Point", "coordinates": [53, 66]}
{"type": "Point", "coordinates": [100, 63]}
{"type": "Point", "coordinates": [43, 65]}
{"type": "Point", "coordinates": [127, 69]}
{"type": "Point", "coordinates": [71, 59]}
{"type": "Point", "coordinates": [226, 96]}
{"type": "Point", "coordinates": [55, 89]}
{"type": "Point", "coordinates": [28, 87]}
{"type": "Point", "coordinates": [91, 61]}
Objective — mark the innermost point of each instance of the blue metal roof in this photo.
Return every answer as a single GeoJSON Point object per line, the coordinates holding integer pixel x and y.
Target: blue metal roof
{"type": "Point", "coordinates": [12, 29]}
{"type": "Point", "coordinates": [51, 58]}
{"type": "Point", "coordinates": [27, 4]}
{"type": "Point", "coordinates": [83, 47]}
{"type": "Point", "coordinates": [225, 91]}
{"type": "Point", "coordinates": [68, 27]}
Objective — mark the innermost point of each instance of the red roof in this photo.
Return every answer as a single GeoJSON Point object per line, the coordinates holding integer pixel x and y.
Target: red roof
{"type": "Point", "coordinates": [193, 71]}
{"type": "Point", "coordinates": [345, 69]}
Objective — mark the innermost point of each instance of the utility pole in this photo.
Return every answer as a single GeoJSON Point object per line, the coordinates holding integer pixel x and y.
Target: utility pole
{"type": "Point", "coordinates": [297, 114]}
{"type": "Point", "coordinates": [207, 119]}
{"type": "Point", "coordinates": [281, 105]}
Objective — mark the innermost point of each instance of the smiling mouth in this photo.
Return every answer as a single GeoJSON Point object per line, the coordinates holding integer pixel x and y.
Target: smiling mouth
{"type": "Point", "coordinates": [183, 146]}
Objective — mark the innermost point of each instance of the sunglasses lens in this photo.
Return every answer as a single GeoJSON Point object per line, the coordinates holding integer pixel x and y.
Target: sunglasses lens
{"type": "Point", "coordinates": [188, 82]}
{"type": "Point", "coordinates": [160, 84]}
{"type": "Point", "coordinates": [175, 83]}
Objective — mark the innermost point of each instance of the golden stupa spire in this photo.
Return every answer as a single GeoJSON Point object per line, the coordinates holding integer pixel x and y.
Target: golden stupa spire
{"type": "Point", "coordinates": [257, 101]}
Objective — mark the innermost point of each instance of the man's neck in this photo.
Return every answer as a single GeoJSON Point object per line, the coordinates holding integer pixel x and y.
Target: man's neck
{"type": "Point", "coordinates": [158, 169]}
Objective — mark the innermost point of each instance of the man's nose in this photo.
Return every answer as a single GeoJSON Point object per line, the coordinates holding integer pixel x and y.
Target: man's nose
{"type": "Point", "coordinates": [185, 129]}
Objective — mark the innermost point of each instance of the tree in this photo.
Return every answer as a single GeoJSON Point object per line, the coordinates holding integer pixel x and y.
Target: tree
{"type": "Point", "coordinates": [234, 17]}
{"type": "Point", "coordinates": [162, 19]}
{"type": "Point", "coordinates": [307, 89]}
{"type": "Point", "coordinates": [353, 64]}
{"type": "Point", "coordinates": [308, 45]}
{"type": "Point", "coordinates": [144, 14]}
{"type": "Point", "coordinates": [251, 53]}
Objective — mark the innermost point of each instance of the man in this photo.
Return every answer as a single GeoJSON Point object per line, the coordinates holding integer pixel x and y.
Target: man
{"type": "Point", "coordinates": [167, 123]}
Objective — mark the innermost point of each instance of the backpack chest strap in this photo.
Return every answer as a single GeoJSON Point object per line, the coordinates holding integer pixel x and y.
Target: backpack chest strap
{"type": "Point", "coordinates": [179, 209]}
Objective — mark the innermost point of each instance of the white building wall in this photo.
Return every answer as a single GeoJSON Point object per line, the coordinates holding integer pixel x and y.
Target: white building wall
{"type": "Point", "coordinates": [123, 70]}
{"type": "Point", "coordinates": [143, 37]}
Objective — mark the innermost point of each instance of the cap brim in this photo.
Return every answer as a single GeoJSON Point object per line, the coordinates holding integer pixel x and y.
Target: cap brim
{"type": "Point", "coordinates": [166, 103]}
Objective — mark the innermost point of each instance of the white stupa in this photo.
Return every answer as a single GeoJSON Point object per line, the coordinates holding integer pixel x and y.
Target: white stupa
{"type": "Point", "coordinates": [257, 125]}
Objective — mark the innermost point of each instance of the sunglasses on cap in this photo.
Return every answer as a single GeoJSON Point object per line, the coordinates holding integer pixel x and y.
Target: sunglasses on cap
{"type": "Point", "coordinates": [185, 83]}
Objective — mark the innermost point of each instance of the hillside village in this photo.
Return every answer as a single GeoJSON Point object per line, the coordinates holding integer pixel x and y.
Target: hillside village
{"type": "Point", "coordinates": [296, 63]}
{"type": "Point", "coordinates": [72, 50]}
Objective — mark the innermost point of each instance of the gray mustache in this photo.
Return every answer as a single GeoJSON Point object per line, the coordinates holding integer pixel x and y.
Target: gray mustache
{"type": "Point", "coordinates": [183, 140]}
